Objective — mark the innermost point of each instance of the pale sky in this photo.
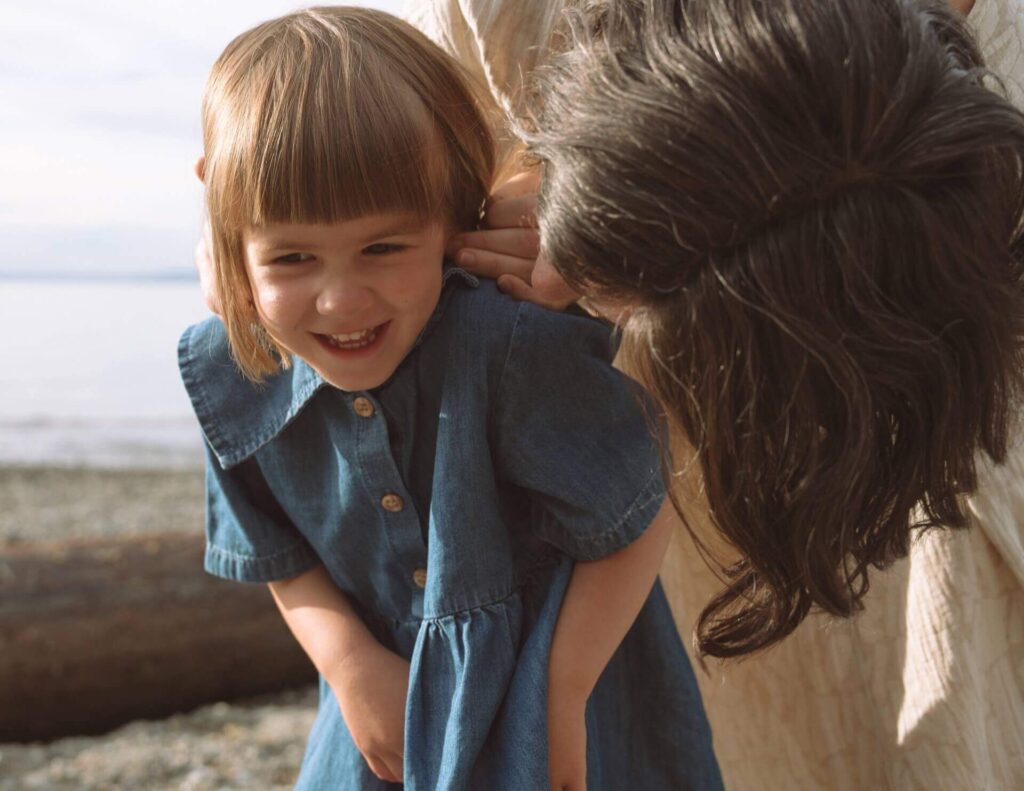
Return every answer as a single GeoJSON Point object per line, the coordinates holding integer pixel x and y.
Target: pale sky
{"type": "Point", "coordinates": [99, 126]}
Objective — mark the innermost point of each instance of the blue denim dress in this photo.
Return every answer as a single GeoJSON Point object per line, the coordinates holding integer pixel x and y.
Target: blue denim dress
{"type": "Point", "coordinates": [449, 505]}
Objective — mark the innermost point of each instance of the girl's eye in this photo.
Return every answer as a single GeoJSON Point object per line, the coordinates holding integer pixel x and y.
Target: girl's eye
{"type": "Point", "coordinates": [293, 258]}
{"type": "Point", "coordinates": [382, 248]}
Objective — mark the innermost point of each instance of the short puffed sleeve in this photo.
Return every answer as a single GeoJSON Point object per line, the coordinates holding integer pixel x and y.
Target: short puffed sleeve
{"type": "Point", "coordinates": [576, 435]}
{"type": "Point", "coordinates": [248, 536]}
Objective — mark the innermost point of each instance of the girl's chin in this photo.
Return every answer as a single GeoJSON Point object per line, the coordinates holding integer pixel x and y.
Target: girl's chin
{"type": "Point", "coordinates": [362, 368]}
{"type": "Point", "coordinates": [353, 382]}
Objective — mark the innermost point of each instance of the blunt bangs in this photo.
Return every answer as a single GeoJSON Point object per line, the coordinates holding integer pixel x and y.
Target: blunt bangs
{"type": "Point", "coordinates": [330, 131]}
{"type": "Point", "coordinates": [334, 113]}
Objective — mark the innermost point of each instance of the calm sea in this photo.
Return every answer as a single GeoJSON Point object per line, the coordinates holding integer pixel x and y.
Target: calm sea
{"type": "Point", "coordinates": [89, 373]}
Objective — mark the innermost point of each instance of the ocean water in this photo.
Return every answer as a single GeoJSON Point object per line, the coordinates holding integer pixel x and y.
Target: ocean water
{"type": "Point", "coordinates": [89, 373]}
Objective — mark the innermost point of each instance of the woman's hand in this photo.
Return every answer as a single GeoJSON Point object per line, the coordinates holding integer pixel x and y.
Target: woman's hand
{"type": "Point", "coordinates": [204, 265]}
{"type": "Point", "coordinates": [371, 686]}
{"type": "Point", "coordinates": [507, 247]}
{"type": "Point", "coordinates": [567, 739]}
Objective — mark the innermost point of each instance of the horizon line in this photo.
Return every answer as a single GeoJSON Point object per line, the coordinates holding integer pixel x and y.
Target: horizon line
{"type": "Point", "coordinates": [129, 275]}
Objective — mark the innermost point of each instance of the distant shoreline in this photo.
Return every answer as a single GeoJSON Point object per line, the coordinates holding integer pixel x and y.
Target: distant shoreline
{"type": "Point", "coordinates": [101, 441]}
{"type": "Point", "coordinates": [131, 276]}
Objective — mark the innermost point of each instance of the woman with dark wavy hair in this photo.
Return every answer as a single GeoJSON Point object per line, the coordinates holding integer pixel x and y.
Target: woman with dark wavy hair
{"type": "Point", "coordinates": [809, 216]}
{"type": "Point", "coordinates": [822, 256]}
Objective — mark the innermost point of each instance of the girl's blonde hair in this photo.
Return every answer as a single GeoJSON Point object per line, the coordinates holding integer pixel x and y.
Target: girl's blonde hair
{"type": "Point", "coordinates": [326, 115]}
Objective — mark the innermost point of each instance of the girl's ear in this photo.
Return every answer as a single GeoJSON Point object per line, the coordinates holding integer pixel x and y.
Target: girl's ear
{"type": "Point", "coordinates": [199, 168]}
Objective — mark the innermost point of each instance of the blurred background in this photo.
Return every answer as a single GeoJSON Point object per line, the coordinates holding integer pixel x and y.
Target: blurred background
{"type": "Point", "coordinates": [105, 615]}
{"type": "Point", "coordinates": [99, 213]}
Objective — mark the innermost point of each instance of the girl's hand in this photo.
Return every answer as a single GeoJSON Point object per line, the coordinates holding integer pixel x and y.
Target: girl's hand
{"type": "Point", "coordinates": [507, 248]}
{"type": "Point", "coordinates": [567, 741]}
{"type": "Point", "coordinates": [371, 686]}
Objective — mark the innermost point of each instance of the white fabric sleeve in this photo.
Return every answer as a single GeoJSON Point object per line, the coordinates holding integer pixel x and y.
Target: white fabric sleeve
{"type": "Point", "coordinates": [499, 43]}
{"type": "Point", "coordinates": [998, 26]}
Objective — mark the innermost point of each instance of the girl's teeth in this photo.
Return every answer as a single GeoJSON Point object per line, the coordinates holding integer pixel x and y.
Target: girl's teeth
{"type": "Point", "coordinates": [353, 340]}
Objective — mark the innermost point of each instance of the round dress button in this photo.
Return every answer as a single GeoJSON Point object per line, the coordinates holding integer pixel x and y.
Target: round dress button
{"type": "Point", "coordinates": [420, 578]}
{"type": "Point", "coordinates": [363, 407]}
{"type": "Point", "coordinates": [392, 502]}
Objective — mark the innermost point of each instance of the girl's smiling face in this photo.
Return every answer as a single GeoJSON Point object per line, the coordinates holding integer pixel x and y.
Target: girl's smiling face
{"type": "Point", "coordinates": [350, 298]}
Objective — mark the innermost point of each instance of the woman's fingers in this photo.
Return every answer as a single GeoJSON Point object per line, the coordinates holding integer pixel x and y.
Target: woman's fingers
{"type": "Point", "coordinates": [204, 265]}
{"type": "Point", "coordinates": [525, 182]}
{"type": "Point", "coordinates": [507, 247]}
{"type": "Point", "coordinates": [493, 265]}
{"type": "Point", "coordinates": [519, 242]}
{"type": "Point", "coordinates": [519, 212]}
{"type": "Point", "coordinates": [551, 286]}
{"type": "Point", "coordinates": [517, 288]}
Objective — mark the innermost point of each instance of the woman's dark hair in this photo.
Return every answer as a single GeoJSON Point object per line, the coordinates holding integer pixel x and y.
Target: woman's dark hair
{"type": "Point", "coordinates": [817, 208]}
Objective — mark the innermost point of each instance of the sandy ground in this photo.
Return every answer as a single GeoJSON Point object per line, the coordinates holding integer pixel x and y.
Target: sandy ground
{"type": "Point", "coordinates": [252, 745]}
{"type": "Point", "coordinates": [257, 745]}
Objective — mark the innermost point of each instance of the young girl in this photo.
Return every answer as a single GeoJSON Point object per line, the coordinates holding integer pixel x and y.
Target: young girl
{"type": "Point", "coordinates": [387, 441]}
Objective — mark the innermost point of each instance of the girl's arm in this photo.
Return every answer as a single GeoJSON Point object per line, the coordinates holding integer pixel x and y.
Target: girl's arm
{"type": "Point", "coordinates": [603, 599]}
{"type": "Point", "coordinates": [369, 681]}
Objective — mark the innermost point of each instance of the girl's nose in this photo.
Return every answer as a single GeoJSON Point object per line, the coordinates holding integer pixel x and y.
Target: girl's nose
{"type": "Point", "coordinates": [344, 296]}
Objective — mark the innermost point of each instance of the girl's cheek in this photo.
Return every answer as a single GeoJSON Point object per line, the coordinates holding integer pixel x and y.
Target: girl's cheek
{"type": "Point", "coordinates": [274, 305]}
{"type": "Point", "coordinates": [411, 285]}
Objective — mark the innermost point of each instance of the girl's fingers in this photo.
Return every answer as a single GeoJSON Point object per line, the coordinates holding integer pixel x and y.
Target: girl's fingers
{"type": "Point", "coordinates": [519, 242]}
{"type": "Point", "coordinates": [381, 769]}
{"type": "Point", "coordinates": [395, 768]}
{"type": "Point", "coordinates": [493, 265]}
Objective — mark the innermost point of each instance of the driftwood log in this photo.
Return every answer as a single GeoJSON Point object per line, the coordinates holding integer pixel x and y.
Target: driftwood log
{"type": "Point", "coordinates": [96, 633]}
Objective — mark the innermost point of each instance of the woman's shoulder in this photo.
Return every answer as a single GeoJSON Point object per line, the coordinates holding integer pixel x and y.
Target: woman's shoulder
{"type": "Point", "coordinates": [237, 415]}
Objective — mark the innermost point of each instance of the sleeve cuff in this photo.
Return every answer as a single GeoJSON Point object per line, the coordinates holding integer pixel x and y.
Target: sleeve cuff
{"type": "Point", "coordinates": [245, 568]}
{"type": "Point", "coordinates": [630, 526]}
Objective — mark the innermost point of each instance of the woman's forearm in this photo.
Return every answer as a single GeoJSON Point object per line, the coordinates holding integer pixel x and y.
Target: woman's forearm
{"type": "Point", "coordinates": [322, 620]}
{"type": "Point", "coordinates": [603, 599]}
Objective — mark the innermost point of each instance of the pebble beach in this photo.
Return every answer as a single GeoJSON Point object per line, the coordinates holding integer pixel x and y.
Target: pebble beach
{"type": "Point", "coordinates": [255, 744]}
